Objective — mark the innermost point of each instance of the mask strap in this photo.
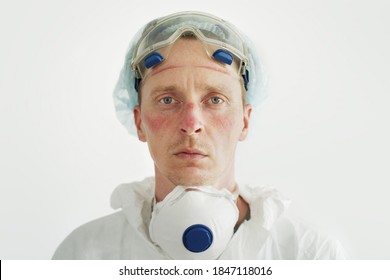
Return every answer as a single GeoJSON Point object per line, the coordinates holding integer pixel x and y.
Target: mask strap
{"type": "Point", "coordinates": [235, 193]}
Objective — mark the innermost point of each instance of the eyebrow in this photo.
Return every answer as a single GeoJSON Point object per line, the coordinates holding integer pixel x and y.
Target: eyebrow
{"type": "Point", "coordinates": [161, 89]}
{"type": "Point", "coordinates": [218, 88]}
{"type": "Point", "coordinates": [175, 88]}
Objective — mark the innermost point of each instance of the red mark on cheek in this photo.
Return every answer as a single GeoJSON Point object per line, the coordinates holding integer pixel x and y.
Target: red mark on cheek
{"type": "Point", "coordinates": [155, 123]}
{"type": "Point", "coordinates": [223, 122]}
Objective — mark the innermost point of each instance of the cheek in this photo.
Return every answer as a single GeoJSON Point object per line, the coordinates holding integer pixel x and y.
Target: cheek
{"type": "Point", "coordinates": [154, 124]}
{"type": "Point", "coordinates": [225, 122]}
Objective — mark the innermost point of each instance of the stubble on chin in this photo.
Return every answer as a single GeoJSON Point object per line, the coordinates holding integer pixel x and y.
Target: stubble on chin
{"type": "Point", "coordinates": [192, 180]}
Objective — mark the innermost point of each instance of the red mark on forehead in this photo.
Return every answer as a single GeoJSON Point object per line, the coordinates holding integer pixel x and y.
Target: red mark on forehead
{"type": "Point", "coordinates": [214, 68]}
{"type": "Point", "coordinates": [164, 68]}
{"type": "Point", "coordinates": [218, 69]}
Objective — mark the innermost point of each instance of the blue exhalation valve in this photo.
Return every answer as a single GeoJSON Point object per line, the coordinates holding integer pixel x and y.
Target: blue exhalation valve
{"type": "Point", "coordinates": [223, 56]}
{"type": "Point", "coordinates": [153, 59]}
{"type": "Point", "coordinates": [197, 238]}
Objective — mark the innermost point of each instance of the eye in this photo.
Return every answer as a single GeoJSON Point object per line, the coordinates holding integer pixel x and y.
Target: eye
{"type": "Point", "coordinates": [216, 100]}
{"type": "Point", "coordinates": [167, 100]}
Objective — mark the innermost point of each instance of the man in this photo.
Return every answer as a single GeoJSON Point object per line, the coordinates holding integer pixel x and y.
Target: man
{"type": "Point", "coordinates": [189, 80]}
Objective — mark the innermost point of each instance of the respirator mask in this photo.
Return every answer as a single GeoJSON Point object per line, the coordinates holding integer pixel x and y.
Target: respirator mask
{"type": "Point", "coordinates": [194, 222]}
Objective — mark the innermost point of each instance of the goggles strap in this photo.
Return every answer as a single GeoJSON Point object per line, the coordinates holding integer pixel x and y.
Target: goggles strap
{"type": "Point", "coordinates": [246, 79]}
{"type": "Point", "coordinates": [137, 84]}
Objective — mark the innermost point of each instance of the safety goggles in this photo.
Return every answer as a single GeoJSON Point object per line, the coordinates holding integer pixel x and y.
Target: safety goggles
{"type": "Point", "coordinates": [222, 41]}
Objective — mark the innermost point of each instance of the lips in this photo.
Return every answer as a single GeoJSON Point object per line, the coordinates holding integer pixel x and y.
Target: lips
{"type": "Point", "coordinates": [189, 153]}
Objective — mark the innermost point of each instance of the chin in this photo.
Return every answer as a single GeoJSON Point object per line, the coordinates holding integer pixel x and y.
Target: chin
{"type": "Point", "coordinates": [192, 179]}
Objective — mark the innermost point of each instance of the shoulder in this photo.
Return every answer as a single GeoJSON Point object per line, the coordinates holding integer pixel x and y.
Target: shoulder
{"type": "Point", "coordinates": [105, 238]}
{"type": "Point", "coordinates": [295, 240]}
{"type": "Point", "coordinates": [288, 238]}
{"type": "Point", "coordinates": [85, 241]}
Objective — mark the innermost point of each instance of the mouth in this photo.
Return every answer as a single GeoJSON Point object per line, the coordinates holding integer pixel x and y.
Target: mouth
{"type": "Point", "coordinates": [190, 154]}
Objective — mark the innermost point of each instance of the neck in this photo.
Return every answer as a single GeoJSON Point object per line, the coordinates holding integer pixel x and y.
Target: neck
{"type": "Point", "coordinates": [243, 209]}
{"type": "Point", "coordinates": [164, 186]}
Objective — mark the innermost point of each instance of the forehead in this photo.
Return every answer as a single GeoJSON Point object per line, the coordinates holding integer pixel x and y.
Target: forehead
{"type": "Point", "coordinates": [189, 57]}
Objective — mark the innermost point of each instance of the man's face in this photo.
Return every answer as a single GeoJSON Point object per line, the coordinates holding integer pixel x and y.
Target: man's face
{"type": "Point", "coordinates": [192, 116]}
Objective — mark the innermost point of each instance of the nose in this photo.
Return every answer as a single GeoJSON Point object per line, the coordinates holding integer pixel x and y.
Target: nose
{"type": "Point", "coordinates": [191, 120]}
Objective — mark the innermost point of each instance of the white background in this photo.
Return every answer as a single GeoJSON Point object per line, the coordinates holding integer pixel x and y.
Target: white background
{"type": "Point", "coordinates": [322, 135]}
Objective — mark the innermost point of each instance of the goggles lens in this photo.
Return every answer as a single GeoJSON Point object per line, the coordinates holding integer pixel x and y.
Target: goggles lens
{"type": "Point", "coordinates": [209, 29]}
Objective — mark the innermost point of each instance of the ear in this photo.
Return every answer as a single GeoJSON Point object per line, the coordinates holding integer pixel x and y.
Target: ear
{"type": "Point", "coordinates": [246, 118]}
{"type": "Point", "coordinates": [138, 123]}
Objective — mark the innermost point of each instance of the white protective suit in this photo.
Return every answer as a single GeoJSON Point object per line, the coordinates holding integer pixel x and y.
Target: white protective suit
{"type": "Point", "coordinates": [268, 234]}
